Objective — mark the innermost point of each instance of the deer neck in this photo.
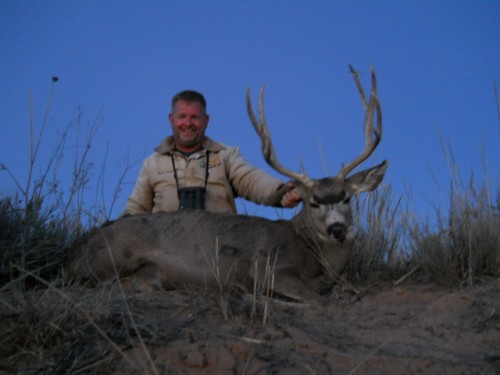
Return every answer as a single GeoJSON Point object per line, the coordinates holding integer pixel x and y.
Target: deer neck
{"type": "Point", "coordinates": [315, 241]}
{"type": "Point", "coordinates": [330, 254]}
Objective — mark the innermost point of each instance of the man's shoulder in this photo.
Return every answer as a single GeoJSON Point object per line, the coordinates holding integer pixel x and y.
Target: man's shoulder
{"type": "Point", "coordinates": [153, 160]}
{"type": "Point", "coordinates": [215, 146]}
{"type": "Point", "coordinates": [166, 146]}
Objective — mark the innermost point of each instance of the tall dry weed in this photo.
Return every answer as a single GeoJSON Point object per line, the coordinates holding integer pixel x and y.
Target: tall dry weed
{"type": "Point", "coordinates": [50, 208]}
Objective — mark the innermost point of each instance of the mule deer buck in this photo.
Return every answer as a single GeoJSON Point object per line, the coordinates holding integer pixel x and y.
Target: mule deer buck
{"type": "Point", "coordinates": [198, 247]}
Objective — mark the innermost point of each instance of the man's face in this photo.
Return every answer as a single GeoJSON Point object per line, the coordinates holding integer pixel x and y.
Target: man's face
{"type": "Point", "coordinates": [189, 123]}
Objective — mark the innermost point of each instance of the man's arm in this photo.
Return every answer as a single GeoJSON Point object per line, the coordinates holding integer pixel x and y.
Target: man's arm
{"type": "Point", "coordinates": [256, 185]}
{"type": "Point", "coordinates": [141, 199]}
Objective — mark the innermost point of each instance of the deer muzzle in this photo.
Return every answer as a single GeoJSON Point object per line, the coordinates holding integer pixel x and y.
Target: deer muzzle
{"type": "Point", "coordinates": [339, 231]}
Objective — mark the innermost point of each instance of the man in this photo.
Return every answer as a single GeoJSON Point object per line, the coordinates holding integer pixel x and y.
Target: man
{"type": "Point", "coordinates": [191, 171]}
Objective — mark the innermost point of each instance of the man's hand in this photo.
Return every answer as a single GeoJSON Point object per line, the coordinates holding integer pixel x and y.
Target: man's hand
{"type": "Point", "coordinates": [290, 199]}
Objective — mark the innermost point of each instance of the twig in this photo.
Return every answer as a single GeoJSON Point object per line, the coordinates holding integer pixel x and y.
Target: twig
{"type": "Point", "coordinates": [129, 312]}
{"type": "Point", "coordinates": [370, 355]}
{"type": "Point", "coordinates": [403, 278]}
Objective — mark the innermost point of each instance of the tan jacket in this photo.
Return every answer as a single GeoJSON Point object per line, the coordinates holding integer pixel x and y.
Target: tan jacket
{"type": "Point", "coordinates": [229, 177]}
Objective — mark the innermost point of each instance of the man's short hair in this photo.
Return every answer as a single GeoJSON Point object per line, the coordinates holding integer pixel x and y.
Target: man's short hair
{"type": "Point", "coordinates": [189, 96]}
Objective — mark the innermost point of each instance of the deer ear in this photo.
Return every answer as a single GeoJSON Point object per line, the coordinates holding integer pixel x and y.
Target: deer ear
{"type": "Point", "coordinates": [366, 180]}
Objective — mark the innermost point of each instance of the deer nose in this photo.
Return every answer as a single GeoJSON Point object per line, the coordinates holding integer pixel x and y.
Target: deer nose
{"type": "Point", "coordinates": [338, 230]}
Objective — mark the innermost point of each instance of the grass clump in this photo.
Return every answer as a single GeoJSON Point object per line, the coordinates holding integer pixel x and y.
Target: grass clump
{"type": "Point", "coordinates": [465, 246]}
{"type": "Point", "coordinates": [46, 332]}
{"type": "Point", "coordinates": [377, 251]}
{"type": "Point", "coordinates": [33, 240]}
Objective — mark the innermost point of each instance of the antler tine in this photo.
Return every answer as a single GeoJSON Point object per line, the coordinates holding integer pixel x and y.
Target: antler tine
{"type": "Point", "coordinates": [266, 143]}
{"type": "Point", "coordinates": [355, 75]}
{"type": "Point", "coordinates": [373, 134]}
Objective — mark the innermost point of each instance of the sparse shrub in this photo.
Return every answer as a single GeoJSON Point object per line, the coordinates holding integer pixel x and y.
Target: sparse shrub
{"type": "Point", "coordinates": [47, 213]}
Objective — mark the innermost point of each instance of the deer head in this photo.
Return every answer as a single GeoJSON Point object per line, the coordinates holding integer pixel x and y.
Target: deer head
{"type": "Point", "coordinates": [327, 212]}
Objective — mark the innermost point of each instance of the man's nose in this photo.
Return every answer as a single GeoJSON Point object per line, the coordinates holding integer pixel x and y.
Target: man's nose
{"type": "Point", "coordinates": [190, 121]}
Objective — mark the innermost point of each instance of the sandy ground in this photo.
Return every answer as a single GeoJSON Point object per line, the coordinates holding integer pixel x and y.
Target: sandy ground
{"type": "Point", "coordinates": [408, 329]}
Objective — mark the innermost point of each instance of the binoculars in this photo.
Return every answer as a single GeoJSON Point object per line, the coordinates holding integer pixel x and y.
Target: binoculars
{"type": "Point", "coordinates": [192, 198]}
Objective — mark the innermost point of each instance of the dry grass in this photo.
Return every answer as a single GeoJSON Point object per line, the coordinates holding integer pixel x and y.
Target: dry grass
{"type": "Point", "coordinates": [465, 247]}
{"type": "Point", "coordinates": [378, 251]}
{"type": "Point", "coordinates": [73, 329]}
{"type": "Point", "coordinates": [43, 330]}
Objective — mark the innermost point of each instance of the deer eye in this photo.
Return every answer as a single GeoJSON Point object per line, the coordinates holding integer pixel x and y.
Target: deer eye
{"type": "Point", "coordinates": [314, 205]}
{"type": "Point", "coordinates": [347, 200]}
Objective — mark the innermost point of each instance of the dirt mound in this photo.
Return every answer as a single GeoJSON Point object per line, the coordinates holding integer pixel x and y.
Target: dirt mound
{"type": "Point", "coordinates": [415, 328]}
{"type": "Point", "coordinates": [410, 329]}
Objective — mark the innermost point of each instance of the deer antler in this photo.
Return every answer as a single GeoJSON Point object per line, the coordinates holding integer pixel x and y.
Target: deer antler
{"type": "Point", "coordinates": [267, 145]}
{"type": "Point", "coordinates": [373, 134]}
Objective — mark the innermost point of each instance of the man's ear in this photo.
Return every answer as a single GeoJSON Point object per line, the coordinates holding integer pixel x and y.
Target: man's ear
{"type": "Point", "coordinates": [366, 180]}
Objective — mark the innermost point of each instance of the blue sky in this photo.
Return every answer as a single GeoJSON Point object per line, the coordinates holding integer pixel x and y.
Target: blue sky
{"type": "Point", "coordinates": [122, 61]}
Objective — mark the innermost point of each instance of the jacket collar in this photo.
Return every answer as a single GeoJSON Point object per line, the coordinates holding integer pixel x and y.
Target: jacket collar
{"type": "Point", "coordinates": [167, 145]}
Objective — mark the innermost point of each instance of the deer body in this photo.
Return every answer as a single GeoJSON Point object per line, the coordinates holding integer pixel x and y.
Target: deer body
{"type": "Point", "coordinates": [304, 255]}
{"type": "Point", "coordinates": [167, 250]}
